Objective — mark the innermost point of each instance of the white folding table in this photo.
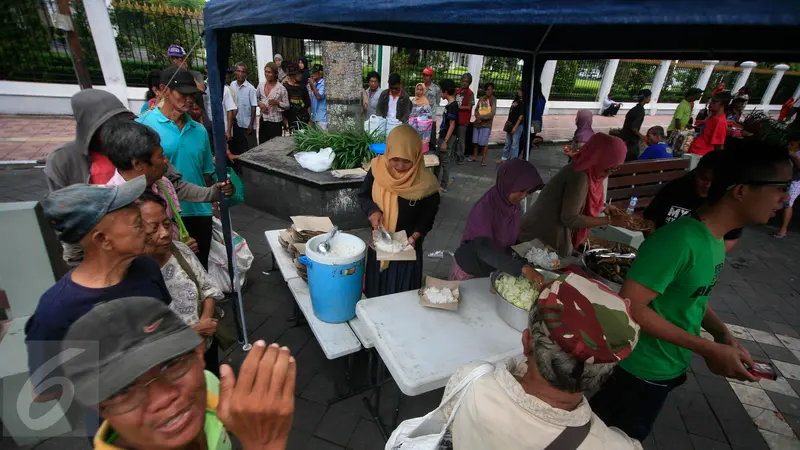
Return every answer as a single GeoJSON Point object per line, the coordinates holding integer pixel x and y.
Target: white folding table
{"type": "Point", "coordinates": [280, 256]}
{"type": "Point", "coordinates": [422, 347]}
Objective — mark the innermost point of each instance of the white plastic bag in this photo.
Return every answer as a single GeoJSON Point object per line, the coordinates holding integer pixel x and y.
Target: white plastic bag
{"type": "Point", "coordinates": [316, 161]}
{"type": "Point", "coordinates": [425, 433]}
{"type": "Point", "coordinates": [391, 124]}
{"type": "Point", "coordinates": [218, 258]}
{"type": "Point", "coordinates": [376, 124]}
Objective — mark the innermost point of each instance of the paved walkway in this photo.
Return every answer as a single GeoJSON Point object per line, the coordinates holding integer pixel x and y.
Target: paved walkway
{"type": "Point", "coordinates": [26, 138]}
{"type": "Point", "coordinates": [758, 293]}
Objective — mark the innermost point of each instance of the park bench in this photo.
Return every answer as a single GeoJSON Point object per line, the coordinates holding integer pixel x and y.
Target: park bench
{"type": "Point", "coordinates": [643, 179]}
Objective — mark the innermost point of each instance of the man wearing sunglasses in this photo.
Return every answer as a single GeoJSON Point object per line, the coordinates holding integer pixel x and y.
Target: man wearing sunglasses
{"type": "Point", "coordinates": [142, 368]}
{"type": "Point", "coordinates": [669, 284]}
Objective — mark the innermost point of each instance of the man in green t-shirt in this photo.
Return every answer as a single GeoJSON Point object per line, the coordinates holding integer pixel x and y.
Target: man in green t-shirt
{"type": "Point", "coordinates": [671, 280]}
{"type": "Point", "coordinates": [680, 120]}
{"type": "Point", "coordinates": [142, 368]}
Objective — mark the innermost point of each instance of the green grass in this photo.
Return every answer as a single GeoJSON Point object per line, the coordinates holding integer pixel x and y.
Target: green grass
{"type": "Point", "coordinates": [587, 84]}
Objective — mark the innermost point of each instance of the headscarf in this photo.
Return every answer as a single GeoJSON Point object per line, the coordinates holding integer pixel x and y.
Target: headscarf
{"type": "Point", "coordinates": [278, 56]}
{"type": "Point", "coordinates": [306, 72]}
{"type": "Point", "coordinates": [786, 109]}
{"type": "Point", "coordinates": [421, 101]}
{"type": "Point", "coordinates": [494, 216]}
{"type": "Point", "coordinates": [583, 122]}
{"type": "Point", "coordinates": [415, 184]}
{"type": "Point", "coordinates": [599, 154]}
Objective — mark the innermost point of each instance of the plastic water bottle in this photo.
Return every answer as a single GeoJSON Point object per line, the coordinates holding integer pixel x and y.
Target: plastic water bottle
{"type": "Point", "coordinates": [632, 204]}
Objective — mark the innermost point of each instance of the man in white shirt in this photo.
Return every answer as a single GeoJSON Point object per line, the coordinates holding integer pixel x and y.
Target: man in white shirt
{"type": "Point", "coordinates": [577, 332]}
{"type": "Point", "coordinates": [228, 105]}
{"type": "Point", "coordinates": [244, 130]}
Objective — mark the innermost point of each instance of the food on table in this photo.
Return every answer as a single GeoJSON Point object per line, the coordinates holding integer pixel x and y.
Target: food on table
{"type": "Point", "coordinates": [392, 246]}
{"type": "Point", "coordinates": [440, 296]}
{"type": "Point", "coordinates": [517, 290]}
{"type": "Point", "coordinates": [543, 258]}
{"type": "Point", "coordinates": [611, 260]}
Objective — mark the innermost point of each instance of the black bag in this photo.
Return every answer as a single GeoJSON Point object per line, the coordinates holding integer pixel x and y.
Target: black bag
{"type": "Point", "coordinates": [508, 126]}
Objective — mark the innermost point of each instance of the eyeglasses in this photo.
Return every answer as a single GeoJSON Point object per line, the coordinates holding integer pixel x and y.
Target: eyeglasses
{"type": "Point", "coordinates": [784, 185]}
{"type": "Point", "coordinates": [612, 169]}
{"type": "Point", "coordinates": [133, 396]}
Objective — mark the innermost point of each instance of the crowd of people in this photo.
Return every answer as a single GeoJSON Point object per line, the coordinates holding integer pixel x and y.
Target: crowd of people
{"type": "Point", "coordinates": [131, 201]}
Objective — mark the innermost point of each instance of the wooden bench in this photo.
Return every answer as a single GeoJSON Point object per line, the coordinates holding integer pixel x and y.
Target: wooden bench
{"type": "Point", "coordinates": [643, 179]}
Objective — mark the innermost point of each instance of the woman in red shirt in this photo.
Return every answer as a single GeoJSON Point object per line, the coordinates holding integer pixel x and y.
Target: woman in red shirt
{"type": "Point", "coordinates": [715, 128]}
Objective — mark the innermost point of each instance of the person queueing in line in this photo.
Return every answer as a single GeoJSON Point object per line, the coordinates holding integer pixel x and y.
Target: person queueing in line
{"type": "Point", "coordinates": [493, 226]}
{"type": "Point", "coordinates": [399, 194]}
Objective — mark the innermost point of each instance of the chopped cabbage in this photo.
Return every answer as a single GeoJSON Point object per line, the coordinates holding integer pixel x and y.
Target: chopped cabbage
{"type": "Point", "coordinates": [517, 291]}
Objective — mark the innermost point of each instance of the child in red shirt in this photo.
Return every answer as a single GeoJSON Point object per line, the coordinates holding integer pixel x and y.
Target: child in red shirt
{"type": "Point", "coordinates": [716, 126]}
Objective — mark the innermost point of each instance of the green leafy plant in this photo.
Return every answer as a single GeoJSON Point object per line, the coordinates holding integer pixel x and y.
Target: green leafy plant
{"type": "Point", "coordinates": [351, 149]}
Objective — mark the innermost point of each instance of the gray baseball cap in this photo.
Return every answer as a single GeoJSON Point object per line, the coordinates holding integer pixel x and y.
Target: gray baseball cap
{"type": "Point", "coordinates": [75, 210]}
{"type": "Point", "coordinates": [119, 341]}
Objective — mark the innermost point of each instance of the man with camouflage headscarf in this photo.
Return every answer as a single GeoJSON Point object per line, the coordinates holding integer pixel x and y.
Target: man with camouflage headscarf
{"type": "Point", "coordinates": [578, 330]}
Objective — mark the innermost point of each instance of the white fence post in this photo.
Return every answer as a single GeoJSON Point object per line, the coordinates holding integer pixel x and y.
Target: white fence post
{"type": "Point", "coordinates": [773, 85]}
{"type": "Point", "coordinates": [263, 55]}
{"type": "Point", "coordinates": [608, 80]}
{"type": "Point", "coordinates": [386, 66]}
{"type": "Point", "coordinates": [747, 67]}
{"type": "Point", "coordinates": [474, 67]}
{"type": "Point", "coordinates": [106, 45]}
{"type": "Point", "coordinates": [705, 76]}
{"type": "Point", "coordinates": [658, 85]}
{"type": "Point", "coordinates": [548, 72]}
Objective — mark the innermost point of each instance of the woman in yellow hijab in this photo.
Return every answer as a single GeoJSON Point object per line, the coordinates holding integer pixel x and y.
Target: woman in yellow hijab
{"type": "Point", "coordinates": [401, 194]}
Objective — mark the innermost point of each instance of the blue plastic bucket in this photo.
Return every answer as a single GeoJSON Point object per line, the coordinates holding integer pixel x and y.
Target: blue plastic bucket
{"type": "Point", "coordinates": [378, 148]}
{"type": "Point", "coordinates": [335, 281]}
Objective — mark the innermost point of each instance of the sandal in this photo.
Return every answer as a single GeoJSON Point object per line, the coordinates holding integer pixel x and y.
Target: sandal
{"type": "Point", "coordinates": [779, 236]}
{"type": "Point", "coordinates": [483, 163]}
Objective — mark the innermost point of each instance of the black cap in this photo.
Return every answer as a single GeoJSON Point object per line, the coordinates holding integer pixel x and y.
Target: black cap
{"type": "Point", "coordinates": [179, 79]}
{"type": "Point", "coordinates": [120, 341]}
{"type": "Point", "coordinates": [292, 69]}
{"type": "Point", "coordinates": [693, 91]}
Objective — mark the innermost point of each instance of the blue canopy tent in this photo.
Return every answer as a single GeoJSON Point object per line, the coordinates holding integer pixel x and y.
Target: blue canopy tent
{"type": "Point", "coordinates": [532, 30]}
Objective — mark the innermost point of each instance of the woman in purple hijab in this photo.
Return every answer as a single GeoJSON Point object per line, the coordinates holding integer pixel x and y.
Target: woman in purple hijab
{"type": "Point", "coordinates": [493, 226]}
{"type": "Point", "coordinates": [583, 124]}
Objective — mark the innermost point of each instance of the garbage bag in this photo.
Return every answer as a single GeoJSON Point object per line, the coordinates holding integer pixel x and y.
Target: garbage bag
{"type": "Point", "coordinates": [218, 258]}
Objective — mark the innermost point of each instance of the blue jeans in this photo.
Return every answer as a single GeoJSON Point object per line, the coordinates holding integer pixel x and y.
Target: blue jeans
{"type": "Point", "coordinates": [512, 143]}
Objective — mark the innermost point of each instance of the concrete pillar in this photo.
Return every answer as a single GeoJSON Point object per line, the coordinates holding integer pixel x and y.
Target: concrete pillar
{"type": "Point", "coordinates": [702, 82]}
{"type": "Point", "coordinates": [385, 66]}
{"type": "Point", "coordinates": [608, 80]}
{"type": "Point", "coordinates": [773, 85]}
{"type": "Point", "coordinates": [343, 87]}
{"type": "Point", "coordinates": [747, 67]}
{"type": "Point", "coordinates": [658, 85]}
{"type": "Point", "coordinates": [106, 45]}
{"type": "Point", "coordinates": [548, 71]}
{"type": "Point", "coordinates": [474, 66]}
{"type": "Point", "coordinates": [264, 55]}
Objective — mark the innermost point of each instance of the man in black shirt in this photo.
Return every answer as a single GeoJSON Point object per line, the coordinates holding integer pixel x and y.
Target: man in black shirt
{"type": "Point", "coordinates": [633, 122]}
{"type": "Point", "coordinates": [299, 100]}
{"type": "Point", "coordinates": [684, 195]}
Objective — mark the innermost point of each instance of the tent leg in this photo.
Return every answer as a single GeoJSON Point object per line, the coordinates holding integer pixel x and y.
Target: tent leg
{"type": "Point", "coordinates": [529, 112]}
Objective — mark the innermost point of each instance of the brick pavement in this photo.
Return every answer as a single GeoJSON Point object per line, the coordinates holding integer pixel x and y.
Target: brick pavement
{"type": "Point", "coordinates": [758, 292]}
{"type": "Point", "coordinates": [25, 138]}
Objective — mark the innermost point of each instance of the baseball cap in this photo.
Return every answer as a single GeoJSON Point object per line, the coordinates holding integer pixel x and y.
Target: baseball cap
{"type": "Point", "coordinates": [587, 320]}
{"type": "Point", "coordinates": [693, 91]}
{"type": "Point", "coordinates": [427, 71]}
{"type": "Point", "coordinates": [179, 79]}
{"type": "Point", "coordinates": [75, 210]}
{"type": "Point", "coordinates": [121, 340]}
{"type": "Point", "coordinates": [292, 69]}
{"type": "Point", "coordinates": [176, 50]}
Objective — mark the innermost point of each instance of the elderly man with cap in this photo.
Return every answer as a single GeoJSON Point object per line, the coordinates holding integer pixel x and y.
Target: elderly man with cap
{"type": "Point", "coordinates": [106, 223]}
{"type": "Point", "coordinates": [177, 56]}
{"type": "Point", "coordinates": [141, 367]}
{"type": "Point", "coordinates": [186, 145]}
{"type": "Point", "coordinates": [578, 330]}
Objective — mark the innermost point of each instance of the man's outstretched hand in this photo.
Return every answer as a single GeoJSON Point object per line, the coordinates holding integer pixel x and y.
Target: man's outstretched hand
{"type": "Point", "coordinates": [258, 407]}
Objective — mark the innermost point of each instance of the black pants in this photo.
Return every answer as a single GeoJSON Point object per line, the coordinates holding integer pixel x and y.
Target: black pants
{"type": "Point", "coordinates": [633, 151]}
{"type": "Point", "coordinates": [212, 358]}
{"type": "Point", "coordinates": [199, 227]}
{"type": "Point", "coordinates": [269, 130]}
{"type": "Point", "coordinates": [242, 141]}
{"type": "Point", "coordinates": [630, 403]}
{"type": "Point", "coordinates": [611, 110]}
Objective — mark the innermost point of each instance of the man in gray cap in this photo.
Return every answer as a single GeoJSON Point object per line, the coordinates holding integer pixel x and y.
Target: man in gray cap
{"type": "Point", "coordinates": [106, 223]}
{"type": "Point", "coordinates": [142, 368]}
